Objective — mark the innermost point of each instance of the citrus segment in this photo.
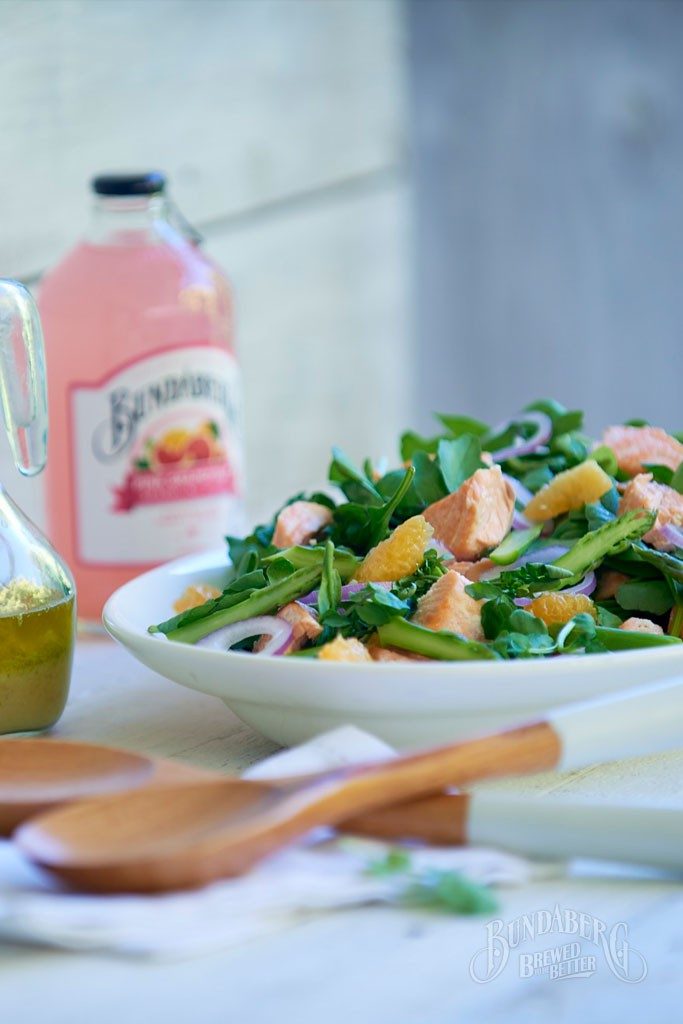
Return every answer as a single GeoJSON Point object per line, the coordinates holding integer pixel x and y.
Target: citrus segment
{"type": "Point", "coordinates": [569, 490]}
{"type": "Point", "coordinates": [554, 609]}
{"type": "Point", "coordinates": [344, 649]}
{"type": "Point", "coordinates": [399, 555]}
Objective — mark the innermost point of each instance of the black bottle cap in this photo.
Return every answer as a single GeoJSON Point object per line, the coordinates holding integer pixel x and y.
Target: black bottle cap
{"type": "Point", "coordinates": [148, 183]}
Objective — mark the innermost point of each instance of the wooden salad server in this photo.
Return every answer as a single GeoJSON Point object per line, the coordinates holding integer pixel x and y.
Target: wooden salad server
{"type": "Point", "coordinates": [190, 834]}
{"type": "Point", "coordinates": [38, 774]}
{"type": "Point", "coordinates": [534, 827]}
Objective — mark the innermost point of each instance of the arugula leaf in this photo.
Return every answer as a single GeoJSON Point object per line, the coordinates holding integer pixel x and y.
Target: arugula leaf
{"type": "Point", "coordinates": [606, 459]}
{"type": "Point", "coordinates": [429, 482]}
{"type": "Point", "coordinates": [395, 862]}
{"type": "Point", "coordinates": [362, 612]}
{"type": "Point", "coordinates": [660, 474]}
{"type": "Point", "coordinates": [411, 504]}
{"type": "Point", "coordinates": [249, 550]}
{"type": "Point", "coordinates": [411, 443]}
{"type": "Point", "coordinates": [563, 419]}
{"type": "Point", "coordinates": [361, 527]}
{"type": "Point", "coordinates": [495, 616]}
{"type": "Point", "coordinates": [413, 587]}
{"type": "Point", "coordinates": [525, 581]}
{"type": "Point", "coordinates": [578, 634]}
{"type": "Point", "coordinates": [536, 478]}
{"type": "Point", "coordinates": [352, 481]}
{"type": "Point", "coordinates": [652, 596]}
{"type": "Point", "coordinates": [375, 605]}
{"type": "Point", "coordinates": [524, 622]}
{"type": "Point", "coordinates": [668, 564]}
{"type": "Point", "coordinates": [523, 645]}
{"type": "Point", "coordinates": [459, 459]}
{"type": "Point", "coordinates": [449, 891]}
{"type": "Point", "coordinates": [329, 594]}
{"type": "Point", "coordinates": [677, 479]}
{"type": "Point", "coordinates": [278, 569]}
{"type": "Point", "coordinates": [607, 613]}
{"type": "Point", "coordinates": [302, 557]}
{"type": "Point", "coordinates": [457, 425]}
{"type": "Point", "coordinates": [515, 633]}
{"type": "Point", "coordinates": [433, 888]}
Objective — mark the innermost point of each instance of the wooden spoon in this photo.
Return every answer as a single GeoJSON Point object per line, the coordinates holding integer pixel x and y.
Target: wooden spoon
{"type": "Point", "coordinates": [38, 774]}
{"type": "Point", "coordinates": [187, 835]}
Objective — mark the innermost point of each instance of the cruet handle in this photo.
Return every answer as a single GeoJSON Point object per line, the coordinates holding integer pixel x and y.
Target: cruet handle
{"type": "Point", "coordinates": [23, 392]}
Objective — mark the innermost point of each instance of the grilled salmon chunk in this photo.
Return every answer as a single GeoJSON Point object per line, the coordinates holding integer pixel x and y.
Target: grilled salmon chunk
{"type": "Point", "coordinates": [300, 522]}
{"type": "Point", "coordinates": [446, 605]}
{"type": "Point", "coordinates": [304, 625]}
{"type": "Point", "coordinates": [476, 517]}
{"type": "Point", "coordinates": [634, 446]}
{"type": "Point", "coordinates": [643, 492]}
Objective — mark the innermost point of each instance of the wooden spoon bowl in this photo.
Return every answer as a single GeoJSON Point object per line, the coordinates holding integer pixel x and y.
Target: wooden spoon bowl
{"type": "Point", "coordinates": [38, 774]}
{"type": "Point", "coordinates": [150, 840]}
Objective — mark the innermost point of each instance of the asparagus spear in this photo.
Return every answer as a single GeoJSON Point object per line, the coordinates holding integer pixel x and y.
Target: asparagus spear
{"type": "Point", "coordinates": [628, 639]}
{"type": "Point", "coordinates": [607, 540]}
{"type": "Point", "coordinates": [442, 645]}
{"type": "Point", "coordinates": [259, 602]}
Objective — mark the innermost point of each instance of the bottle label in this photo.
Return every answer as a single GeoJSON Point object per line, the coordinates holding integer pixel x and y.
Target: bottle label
{"type": "Point", "coordinates": [157, 454]}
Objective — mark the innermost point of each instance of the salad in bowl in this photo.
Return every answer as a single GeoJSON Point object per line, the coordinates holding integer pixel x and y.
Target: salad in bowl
{"type": "Point", "coordinates": [528, 539]}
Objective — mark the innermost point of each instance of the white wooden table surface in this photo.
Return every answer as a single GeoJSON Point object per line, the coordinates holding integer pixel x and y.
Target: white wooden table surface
{"type": "Point", "coordinates": [375, 964]}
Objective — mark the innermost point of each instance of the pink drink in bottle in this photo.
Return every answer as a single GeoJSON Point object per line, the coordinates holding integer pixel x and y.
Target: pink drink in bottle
{"type": "Point", "coordinates": [144, 394]}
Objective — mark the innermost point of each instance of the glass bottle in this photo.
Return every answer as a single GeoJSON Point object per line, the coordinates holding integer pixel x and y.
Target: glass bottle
{"type": "Point", "coordinates": [144, 393]}
{"type": "Point", "coordinates": [37, 598]}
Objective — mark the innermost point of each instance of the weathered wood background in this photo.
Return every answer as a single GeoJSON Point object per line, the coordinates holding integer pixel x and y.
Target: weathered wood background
{"type": "Point", "coordinates": [548, 159]}
{"type": "Point", "coordinates": [281, 124]}
{"type": "Point", "coordinates": [546, 146]}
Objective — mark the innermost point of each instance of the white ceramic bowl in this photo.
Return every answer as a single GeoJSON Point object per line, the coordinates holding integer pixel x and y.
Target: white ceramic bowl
{"type": "Point", "coordinates": [408, 705]}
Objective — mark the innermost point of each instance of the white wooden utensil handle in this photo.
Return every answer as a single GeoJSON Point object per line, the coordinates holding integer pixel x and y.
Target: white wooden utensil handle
{"type": "Point", "coordinates": [641, 721]}
{"type": "Point", "coordinates": [573, 828]}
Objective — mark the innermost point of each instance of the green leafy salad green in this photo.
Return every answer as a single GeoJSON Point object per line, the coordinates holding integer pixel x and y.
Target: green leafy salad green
{"type": "Point", "coordinates": [527, 539]}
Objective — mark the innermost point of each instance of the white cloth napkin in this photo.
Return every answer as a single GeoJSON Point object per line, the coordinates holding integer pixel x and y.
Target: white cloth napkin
{"type": "Point", "coordinates": [319, 875]}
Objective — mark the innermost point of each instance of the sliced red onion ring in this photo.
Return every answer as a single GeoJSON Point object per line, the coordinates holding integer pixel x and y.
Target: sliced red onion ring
{"type": "Point", "coordinates": [586, 586]}
{"type": "Point", "coordinates": [525, 446]}
{"type": "Point", "coordinates": [671, 534]}
{"type": "Point", "coordinates": [520, 521]}
{"type": "Point", "coordinates": [440, 548]}
{"type": "Point", "coordinates": [544, 556]}
{"type": "Point", "coordinates": [223, 639]}
{"type": "Point", "coordinates": [522, 493]}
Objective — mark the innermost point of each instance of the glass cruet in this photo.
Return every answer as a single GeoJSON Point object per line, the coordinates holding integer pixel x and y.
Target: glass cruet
{"type": "Point", "coordinates": [37, 594]}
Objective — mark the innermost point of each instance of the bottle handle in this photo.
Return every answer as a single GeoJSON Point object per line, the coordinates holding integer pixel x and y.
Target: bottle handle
{"type": "Point", "coordinates": [23, 392]}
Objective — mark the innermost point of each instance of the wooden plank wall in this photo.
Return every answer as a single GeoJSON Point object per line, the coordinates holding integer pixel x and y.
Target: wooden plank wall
{"type": "Point", "coordinates": [548, 142]}
{"type": "Point", "coordinates": [281, 125]}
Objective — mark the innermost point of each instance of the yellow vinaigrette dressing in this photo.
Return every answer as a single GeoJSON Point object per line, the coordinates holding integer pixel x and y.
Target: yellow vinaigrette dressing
{"type": "Point", "coordinates": [37, 627]}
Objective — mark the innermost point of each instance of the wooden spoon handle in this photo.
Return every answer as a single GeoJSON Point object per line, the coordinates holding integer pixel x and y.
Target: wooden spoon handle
{"type": "Point", "coordinates": [641, 721]}
{"type": "Point", "coordinates": [548, 828]}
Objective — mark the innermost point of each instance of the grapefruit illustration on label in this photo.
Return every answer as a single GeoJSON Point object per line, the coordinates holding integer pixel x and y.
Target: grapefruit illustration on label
{"type": "Point", "coordinates": [158, 441]}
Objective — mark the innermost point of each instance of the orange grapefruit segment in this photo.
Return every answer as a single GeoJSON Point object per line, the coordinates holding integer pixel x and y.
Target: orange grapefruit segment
{"type": "Point", "coordinates": [569, 490]}
{"type": "Point", "coordinates": [399, 555]}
